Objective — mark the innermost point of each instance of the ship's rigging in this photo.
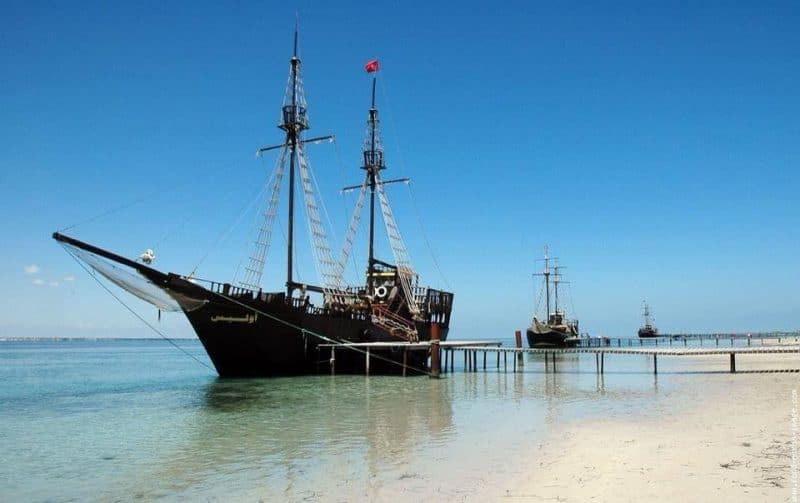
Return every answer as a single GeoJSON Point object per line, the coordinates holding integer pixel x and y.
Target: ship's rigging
{"type": "Point", "coordinates": [330, 270]}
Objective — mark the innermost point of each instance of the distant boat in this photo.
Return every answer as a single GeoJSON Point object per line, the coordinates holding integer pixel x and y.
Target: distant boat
{"type": "Point", "coordinates": [648, 330]}
{"type": "Point", "coordinates": [556, 330]}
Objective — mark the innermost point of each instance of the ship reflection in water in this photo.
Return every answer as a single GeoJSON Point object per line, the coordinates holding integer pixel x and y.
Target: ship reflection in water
{"type": "Point", "coordinates": [276, 435]}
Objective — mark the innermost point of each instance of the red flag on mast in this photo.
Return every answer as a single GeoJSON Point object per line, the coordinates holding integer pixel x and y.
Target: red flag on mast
{"type": "Point", "coordinates": [371, 66]}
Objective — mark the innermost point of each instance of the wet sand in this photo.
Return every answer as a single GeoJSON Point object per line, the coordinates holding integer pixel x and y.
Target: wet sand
{"type": "Point", "coordinates": [706, 435]}
{"type": "Point", "coordinates": [730, 440]}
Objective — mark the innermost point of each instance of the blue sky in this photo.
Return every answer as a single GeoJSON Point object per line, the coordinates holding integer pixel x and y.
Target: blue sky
{"type": "Point", "coordinates": [653, 147]}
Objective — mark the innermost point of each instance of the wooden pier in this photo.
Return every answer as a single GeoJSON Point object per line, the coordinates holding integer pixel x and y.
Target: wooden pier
{"type": "Point", "coordinates": [749, 339]}
{"type": "Point", "coordinates": [445, 349]}
{"type": "Point", "coordinates": [444, 353]}
{"type": "Point", "coordinates": [471, 354]}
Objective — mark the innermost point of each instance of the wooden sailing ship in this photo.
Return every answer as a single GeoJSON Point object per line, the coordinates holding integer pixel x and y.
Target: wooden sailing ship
{"type": "Point", "coordinates": [648, 329]}
{"type": "Point", "coordinates": [249, 331]}
{"type": "Point", "coordinates": [554, 329]}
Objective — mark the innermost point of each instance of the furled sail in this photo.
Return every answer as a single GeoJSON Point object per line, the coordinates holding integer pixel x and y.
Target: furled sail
{"type": "Point", "coordinates": [136, 279]}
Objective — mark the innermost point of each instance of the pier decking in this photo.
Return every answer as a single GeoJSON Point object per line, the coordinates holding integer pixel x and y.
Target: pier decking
{"type": "Point", "coordinates": [443, 353]}
{"type": "Point", "coordinates": [367, 347]}
{"type": "Point", "coordinates": [471, 354]}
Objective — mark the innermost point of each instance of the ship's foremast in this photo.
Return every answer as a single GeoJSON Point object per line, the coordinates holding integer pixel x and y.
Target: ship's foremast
{"type": "Point", "coordinates": [646, 314]}
{"type": "Point", "coordinates": [294, 123]}
{"type": "Point", "coordinates": [546, 273]}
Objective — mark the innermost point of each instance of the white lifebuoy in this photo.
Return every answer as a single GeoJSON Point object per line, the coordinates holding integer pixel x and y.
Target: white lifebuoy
{"type": "Point", "coordinates": [380, 292]}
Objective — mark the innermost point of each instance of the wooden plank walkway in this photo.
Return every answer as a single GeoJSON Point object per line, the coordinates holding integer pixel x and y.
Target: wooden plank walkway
{"type": "Point", "coordinates": [471, 354]}
{"type": "Point", "coordinates": [471, 349]}
{"type": "Point", "coordinates": [367, 347]}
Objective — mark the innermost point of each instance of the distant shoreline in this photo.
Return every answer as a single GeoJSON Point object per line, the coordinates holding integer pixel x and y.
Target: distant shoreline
{"type": "Point", "coordinates": [75, 339]}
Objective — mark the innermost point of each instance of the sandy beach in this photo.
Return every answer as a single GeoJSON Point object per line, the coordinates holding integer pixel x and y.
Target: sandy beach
{"type": "Point", "coordinates": [730, 438]}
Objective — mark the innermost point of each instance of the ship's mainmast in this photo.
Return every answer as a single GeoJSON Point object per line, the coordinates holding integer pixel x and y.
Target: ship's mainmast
{"type": "Point", "coordinates": [373, 164]}
{"type": "Point", "coordinates": [556, 281]}
{"type": "Point", "coordinates": [646, 313]}
{"type": "Point", "coordinates": [294, 123]}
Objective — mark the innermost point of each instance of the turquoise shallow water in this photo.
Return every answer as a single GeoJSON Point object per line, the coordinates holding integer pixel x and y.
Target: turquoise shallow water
{"type": "Point", "coordinates": [121, 420]}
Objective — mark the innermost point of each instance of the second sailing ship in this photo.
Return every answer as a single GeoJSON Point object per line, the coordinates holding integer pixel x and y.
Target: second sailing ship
{"type": "Point", "coordinates": [648, 329]}
{"type": "Point", "coordinates": [554, 329]}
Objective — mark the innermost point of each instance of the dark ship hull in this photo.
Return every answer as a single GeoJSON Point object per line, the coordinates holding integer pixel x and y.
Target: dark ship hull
{"type": "Point", "coordinates": [646, 332]}
{"type": "Point", "coordinates": [272, 338]}
{"type": "Point", "coordinates": [257, 334]}
{"type": "Point", "coordinates": [541, 337]}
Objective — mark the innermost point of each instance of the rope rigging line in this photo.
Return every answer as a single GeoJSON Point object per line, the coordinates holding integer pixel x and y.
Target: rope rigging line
{"type": "Point", "coordinates": [326, 266]}
{"type": "Point", "coordinates": [346, 210]}
{"type": "Point", "coordinates": [539, 298]}
{"type": "Point", "coordinates": [255, 270]}
{"type": "Point", "coordinates": [118, 208]}
{"type": "Point", "coordinates": [169, 187]}
{"type": "Point", "coordinates": [347, 245]}
{"type": "Point", "coordinates": [401, 256]}
{"type": "Point", "coordinates": [414, 204]}
{"type": "Point", "coordinates": [215, 201]}
{"type": "Point", "coordinates": [571, 303]}
{"type": "Point", "coordinates": [149, 325]}
{"type": "Point", "coordinates": [227, 233]}
{"type": "Point", "coordinates": [322, 200]}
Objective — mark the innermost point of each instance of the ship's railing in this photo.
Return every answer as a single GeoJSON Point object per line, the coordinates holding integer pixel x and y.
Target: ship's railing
{"type": "Point", "coordinates": [436, 304]}
{"type": "Point", "coordinates": [229, 290]}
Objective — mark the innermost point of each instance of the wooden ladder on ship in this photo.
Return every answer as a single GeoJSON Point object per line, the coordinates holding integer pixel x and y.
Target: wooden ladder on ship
{"type": "Point", "coordinates": [393, 323]}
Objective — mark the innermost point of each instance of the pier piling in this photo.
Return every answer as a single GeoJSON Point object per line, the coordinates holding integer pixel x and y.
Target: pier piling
{"type": "Point", "coordinates": [434, 350]}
